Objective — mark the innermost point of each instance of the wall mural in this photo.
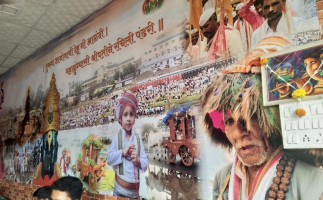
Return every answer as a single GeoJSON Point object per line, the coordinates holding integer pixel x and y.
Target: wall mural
{"type": "Point", "coordinates": [60, 116]}
{"type": "Point", "coordinates": [48, 170]}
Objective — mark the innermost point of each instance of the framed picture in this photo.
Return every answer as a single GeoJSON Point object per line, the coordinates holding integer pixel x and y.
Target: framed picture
{"type": "Point", "coordinates": [297, 68]}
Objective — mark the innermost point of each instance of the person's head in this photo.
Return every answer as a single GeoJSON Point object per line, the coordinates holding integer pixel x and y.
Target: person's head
{"type": "Point", "coordinates": [312, 61]}
{"type": "Point", "coordinates": [235, 117]}
{"type": "Point", "coordinates": [42, 193]}
{"type": "Point", "coordinates": [273, 10]}
{"type": "Point", "coordinates": [208, 23]}
{"type": "Point", "coordinates": [195, 36]}
{"type": "Point", "coordinates": [67, 188]}
{"type": "Point", "coordinates": [127, 110]}
{"type": "Point", "coordinates": [64, 152]}
{"type": "Point", "coordinates": [258, 7]}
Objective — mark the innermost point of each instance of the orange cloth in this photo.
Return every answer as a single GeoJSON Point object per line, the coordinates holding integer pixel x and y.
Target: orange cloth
{"type": "Point", "coordinates": [227, 9]}
{"type": "Point", "coordinates": [195, 12]}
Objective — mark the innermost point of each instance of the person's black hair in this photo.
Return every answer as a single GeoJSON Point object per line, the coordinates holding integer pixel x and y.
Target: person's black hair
{"type": "Point", "coordinates": [311, 54]}
{"type": "Point", "coordinates": [71, 185]}
{"type": "Point", "coordinates": [43, 192]}
{"type": "Point", "coordinates": [258, 2]}
{"type": "Point", "coordinates": [262, 2]}
{"type": "Point", "coordinates": [213, 17]}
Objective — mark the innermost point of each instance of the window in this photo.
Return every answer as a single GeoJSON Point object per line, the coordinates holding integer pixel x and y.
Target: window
{"type": "Point", "coordinates": [149, 51]}
{"type": "Point", "coordinates": [155, 49]}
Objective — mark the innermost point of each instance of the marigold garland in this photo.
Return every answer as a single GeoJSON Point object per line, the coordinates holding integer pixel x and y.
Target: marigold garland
{"type": "Point", "coordinates": [263, 61]}
{"type": "Point", "coordinates": [299, 93]}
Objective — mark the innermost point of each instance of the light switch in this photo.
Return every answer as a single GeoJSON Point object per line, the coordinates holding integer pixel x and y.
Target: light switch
{"type": "Point", "coordinates": [315, 123]}
{"type": "Point", "coordinates": [301, 124]}
{"type": "Point", "coordinates": [307, 124]}
{"type": "Point", "coordinates": [295, 138]}
{"type": "Point", "coordinates": [319, 108]}
{"type": "Point", "coordinates": [288, 126]}
{"type": "Point", "coordinates": [290, 138]}
{"type": "Point", "coordinates": [294, 125]}
{"type": "Point", "coordinates": [286, 112]}
{"type": "Point", "coordinates": [313, 109]}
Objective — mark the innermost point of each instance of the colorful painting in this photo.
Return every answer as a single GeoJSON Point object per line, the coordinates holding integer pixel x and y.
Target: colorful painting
{"type": "Point", "coordinates": [286, 72]}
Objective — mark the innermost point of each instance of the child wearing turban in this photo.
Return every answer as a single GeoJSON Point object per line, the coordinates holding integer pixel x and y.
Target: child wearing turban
{"type": "Point", "coordinates": [127, 154]}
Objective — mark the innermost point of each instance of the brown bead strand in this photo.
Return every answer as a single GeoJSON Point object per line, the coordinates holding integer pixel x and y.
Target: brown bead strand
{"type": "Point", "coordinates": [281, 181]}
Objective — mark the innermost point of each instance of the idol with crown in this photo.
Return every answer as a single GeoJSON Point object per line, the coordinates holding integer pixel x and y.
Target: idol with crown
{"type": "Point", "coordinates": [48, 170]}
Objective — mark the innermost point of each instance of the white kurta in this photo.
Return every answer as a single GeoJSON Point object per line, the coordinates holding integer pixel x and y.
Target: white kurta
{"type": "Point", "coordinates": [285, 28]}
{"type": "Point", "coordinates": [115, 158]}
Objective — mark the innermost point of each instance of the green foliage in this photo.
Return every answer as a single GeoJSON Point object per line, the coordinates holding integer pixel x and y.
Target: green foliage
{"type": "Point", "coordinates": [91, 162]}
{"type": "Point", "coordinates": [194, 98]}
{"type": "Point", "coordinates": [87, 143]}
{"type": "Point", "coordinates": [97, 142]}
{"type": "Point", "coordinates": [91, 139]}
{"type": "Point", "coordinates": [80, 157]}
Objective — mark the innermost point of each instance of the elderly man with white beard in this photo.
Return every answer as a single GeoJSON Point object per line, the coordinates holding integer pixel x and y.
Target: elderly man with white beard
{"type": "Point", "coordinates": [235, 117]}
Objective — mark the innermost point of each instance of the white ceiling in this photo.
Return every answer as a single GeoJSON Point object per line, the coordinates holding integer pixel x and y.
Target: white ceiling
{"type": "Point", "coordinates": [36, 24]}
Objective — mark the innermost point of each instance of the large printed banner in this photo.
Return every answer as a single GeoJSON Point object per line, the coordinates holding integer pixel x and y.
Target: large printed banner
{"type": "Point", "coordinates": [58, 110]}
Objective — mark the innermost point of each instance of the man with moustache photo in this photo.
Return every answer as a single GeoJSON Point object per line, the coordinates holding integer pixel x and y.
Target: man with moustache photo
{"type": "Point", "coordinates": [279, 22]}
{"type": "Point", "coordinates": [235, 118]}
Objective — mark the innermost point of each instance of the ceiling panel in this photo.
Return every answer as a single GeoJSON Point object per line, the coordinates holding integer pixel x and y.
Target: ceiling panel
{"type": "Point", "coordinates": [12, 32]}
{"type": "Point", "coordinates": [26, 17]}
{"type": "Point", "coordinates": [2, 59]}
{"type": "Point", "coordinates": [6, 47]}
{"type": "Point", "coordinates": [57, 22]}
{"type": "Point", "coordinates": [10, 61]}
{"type": "Point", "coordinates": [79, 8]}
{"type": "Point", "coordinates": [22, 51]}
{"type": "Point", "coordinates": [37, 23]}
{"type": "Point", "coordinates": [37, 38]}
{"type": "Point", "coordinates": [44, 2]}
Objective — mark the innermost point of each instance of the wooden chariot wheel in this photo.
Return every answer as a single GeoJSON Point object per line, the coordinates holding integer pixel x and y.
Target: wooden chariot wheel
{"type": "Point", "coordinates": [186, 156]}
